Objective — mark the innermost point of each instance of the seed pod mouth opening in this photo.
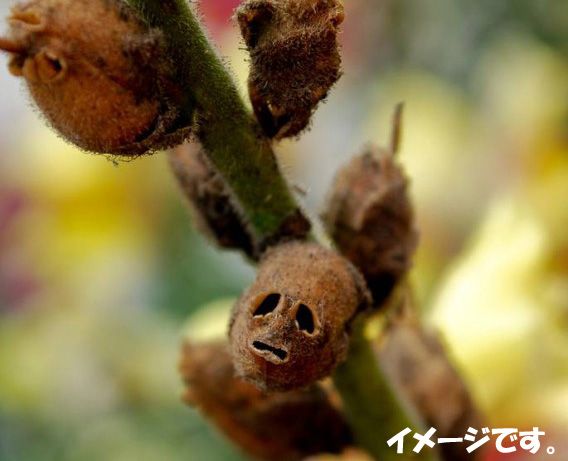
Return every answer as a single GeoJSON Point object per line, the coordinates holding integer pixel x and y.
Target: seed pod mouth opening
{"type": "Point", "coordinates": [168, 129]}
{"type": "Point", "coordinates": [271, 354]}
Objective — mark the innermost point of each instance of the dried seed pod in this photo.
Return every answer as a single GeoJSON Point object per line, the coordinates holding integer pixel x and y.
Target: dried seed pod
{"type": "Point", "coordinates": [415, 361]}
{"type": "Point", "coordinates": [295, 59]}
{"type": "Point", "coordinates": [290, 328]}
{"type": "Point", "coordinates": [370, 218]}
{"type": "Point", "coordinates": [210, 200]}
{"type": "Point", "coordinates": [279, 426]}
{"type": "Point", "coordinates": [98, 74]}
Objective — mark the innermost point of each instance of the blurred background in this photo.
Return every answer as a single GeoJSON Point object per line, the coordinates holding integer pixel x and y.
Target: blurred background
{"type": "Point", "coordinates": [101, 271]}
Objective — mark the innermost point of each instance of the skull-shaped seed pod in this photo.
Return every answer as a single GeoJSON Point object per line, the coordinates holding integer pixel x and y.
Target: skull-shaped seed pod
{"type": "Point", "coordinates": [295, 59]}
{"type": "Point", "coordinates": [209, 198]}
{"type": "Point", "coordinates": [273, 427]}
{"type": "Point", "coordinates": [290, 328]}
{"type": "Point", "coordinates": [98, 74]}
{"type": "Point", "coordinates": [371, 219]}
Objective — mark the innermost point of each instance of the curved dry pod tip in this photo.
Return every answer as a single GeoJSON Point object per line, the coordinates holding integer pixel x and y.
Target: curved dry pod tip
{"type": "Point", "coordinates": [370, 217]}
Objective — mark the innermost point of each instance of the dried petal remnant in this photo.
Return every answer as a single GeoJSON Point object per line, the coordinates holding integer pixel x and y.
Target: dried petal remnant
{"type": "Point", "coordinates": [96, 73]}
{"type": "Point", "coordinates": [371, 219]}
{"type": "Point", "coordinates": [275, 427]}
{"type": "Point", "coordinates": [295, 59]}
{"type": "Point", "coordinates": [290, 328]}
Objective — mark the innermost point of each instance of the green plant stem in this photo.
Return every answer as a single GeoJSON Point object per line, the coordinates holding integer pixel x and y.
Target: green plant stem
{"type": "Point", "coordinates": [373, 409]}
{"type": "Point", "coordinates": [226, 129]}
{"type": "Point", "coordinates": [247, 163]}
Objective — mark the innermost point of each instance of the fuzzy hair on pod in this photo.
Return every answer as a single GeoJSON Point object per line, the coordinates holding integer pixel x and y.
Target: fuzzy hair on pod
{"type": "Point", "coordinates": [295, 59]}
{"type": "Point", "coordinates": [290, 328]}
{"type": "Point", "coordinates": [370, 217]}
{"type": "Point", "coordinates": [98, 75]}
{"type": "Point", "coordinates": [274, 427]}
{"type": "Point", "coordinates": [209, 198]}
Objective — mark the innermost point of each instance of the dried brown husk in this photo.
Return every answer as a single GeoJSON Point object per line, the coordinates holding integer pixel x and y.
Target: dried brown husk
{"type": "Point", "coordinates": [295, 59]}
{"type": "Point", "coordinates": [371, 219]}
{"type": "Point", "coordinates": [274, 427]}
{"type": "Point", "coordinates": [99, 76]}
{"type": "Point", "coordinates": [290, 328]}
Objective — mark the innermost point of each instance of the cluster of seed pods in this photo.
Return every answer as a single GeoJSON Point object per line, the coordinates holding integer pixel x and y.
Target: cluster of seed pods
{"type": "Point", "coordinates": [290, 329]}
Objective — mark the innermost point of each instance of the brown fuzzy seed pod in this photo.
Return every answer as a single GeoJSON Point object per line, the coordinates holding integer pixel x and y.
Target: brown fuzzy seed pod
{"type": "Point", "coordinates": [416, 362]}
{"type": "Point", "coordinates": [371, 219]}
{"type": "Point", "coordinates": [210, 199]}
{"type": "Point", "coordinates": [97, 74]}
{"type": "Point", "coordinates": [295, 59]}
{"type": "Point", "coordinates": [290, 328]}
{"type": "Point", "coordinates": [275, 427]}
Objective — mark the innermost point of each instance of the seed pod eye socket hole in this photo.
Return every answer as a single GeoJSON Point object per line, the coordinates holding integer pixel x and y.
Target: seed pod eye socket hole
{"type": "Point", "coordinates": [267, 305]}
{"type": "Point", "coordinates": [253, 20]}
{"type": "Point", "coordinates": [305, 319]}
{"type": "Point", "coordinates": [50, 67]}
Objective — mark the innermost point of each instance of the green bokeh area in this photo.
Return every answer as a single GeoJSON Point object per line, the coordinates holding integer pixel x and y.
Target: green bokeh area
{"type": "Point", "coordinates": [141, 415]}
{"type": "Point", "coordinates": [128, 434]}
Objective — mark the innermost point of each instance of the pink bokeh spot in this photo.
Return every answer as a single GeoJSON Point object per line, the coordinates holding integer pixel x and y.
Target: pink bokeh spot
{"type": "Point", "coordinates": [217, 14]}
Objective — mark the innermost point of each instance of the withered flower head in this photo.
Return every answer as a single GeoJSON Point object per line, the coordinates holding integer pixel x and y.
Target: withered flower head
{"type": "Point", "coordinates": [290, 328]}
{"type": "Point", "coordinates": [275, 427]}
{"type": "Point", "coordinates": [371, 219]}
{"type": "Point", "coordinates": [295, 59]}
{"type": "Point", "coordinates": [97, 74]}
